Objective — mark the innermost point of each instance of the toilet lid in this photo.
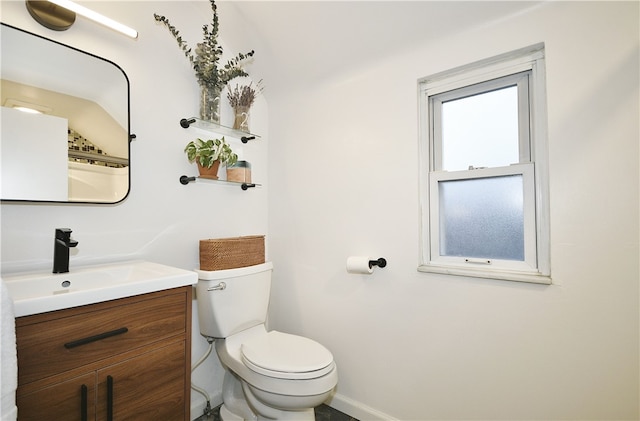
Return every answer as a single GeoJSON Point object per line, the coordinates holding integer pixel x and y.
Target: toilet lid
{"type": "Point", "coordinates": [286, 356]}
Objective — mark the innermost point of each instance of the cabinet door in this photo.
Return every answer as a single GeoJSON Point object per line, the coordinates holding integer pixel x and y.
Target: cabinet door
{"type": "Point", "coordinates": [150, 387]}
{"type": "Point", "coordinates": [72, 400]}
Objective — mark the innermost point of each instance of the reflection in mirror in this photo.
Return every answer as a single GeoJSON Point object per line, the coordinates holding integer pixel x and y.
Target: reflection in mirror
{"type": "Point", "coordinates": [65, 123]}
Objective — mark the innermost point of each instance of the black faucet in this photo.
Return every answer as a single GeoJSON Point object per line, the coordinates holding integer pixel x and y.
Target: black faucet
{"type": "Point", "coordinates": [62, 244]}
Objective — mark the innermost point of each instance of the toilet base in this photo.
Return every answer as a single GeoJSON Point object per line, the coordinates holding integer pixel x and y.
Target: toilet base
{"type": "Point", "coordinates": [309, 415]}
{"type": "Point", "coordinates": [227, 415]}
{"type": "Point", "coordinates": [240, 404]}
{"type": "Point", "coordinates": [234, 405]}
{"type": "Point", "coordinates": [269, 413]}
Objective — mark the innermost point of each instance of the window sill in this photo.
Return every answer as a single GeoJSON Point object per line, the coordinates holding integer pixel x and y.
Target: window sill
{"type": "Point", "coordinates": [535, 278]}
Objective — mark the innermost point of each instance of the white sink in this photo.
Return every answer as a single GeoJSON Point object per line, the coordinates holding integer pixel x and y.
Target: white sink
{"type": "Point", "coordinates": [40, 292]}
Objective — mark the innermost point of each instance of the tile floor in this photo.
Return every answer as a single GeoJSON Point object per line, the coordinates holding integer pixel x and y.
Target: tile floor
{"type": "Point", "coordinates": [323, 413]}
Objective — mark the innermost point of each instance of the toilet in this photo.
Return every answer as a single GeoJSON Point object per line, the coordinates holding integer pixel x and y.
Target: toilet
{"type": "Point", "coordinates": [269, 375]}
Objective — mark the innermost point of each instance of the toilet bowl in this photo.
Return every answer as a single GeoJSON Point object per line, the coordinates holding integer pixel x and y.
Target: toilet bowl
{"type": "Point", "coordinates": [270, 375]}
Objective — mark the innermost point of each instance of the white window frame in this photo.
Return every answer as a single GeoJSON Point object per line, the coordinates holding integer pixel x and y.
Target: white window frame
{"type": "Point", "coordinates": [526, 67]}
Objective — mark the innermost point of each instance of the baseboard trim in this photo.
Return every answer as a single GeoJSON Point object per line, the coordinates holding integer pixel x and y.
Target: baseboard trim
{"type": "Point", "coordinates": [357, 409]}
{"type": "Point", "coordinates": [340, 402]}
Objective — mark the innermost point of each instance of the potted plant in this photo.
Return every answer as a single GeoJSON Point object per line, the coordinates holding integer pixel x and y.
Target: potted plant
{"type": "Point", "coordinates": [205, 62]}
{"type": "Point", "coordinates": [241, 98]}
{"type": "Point", "coordinates": [209, 154]}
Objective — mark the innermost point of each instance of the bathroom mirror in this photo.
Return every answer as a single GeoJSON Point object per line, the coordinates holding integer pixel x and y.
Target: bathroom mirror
{"type": "Point", "coordinates": [74, 144]}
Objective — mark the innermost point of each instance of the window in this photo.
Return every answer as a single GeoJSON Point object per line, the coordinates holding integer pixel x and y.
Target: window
{"type": "Point", "coordinates": [483, 178]}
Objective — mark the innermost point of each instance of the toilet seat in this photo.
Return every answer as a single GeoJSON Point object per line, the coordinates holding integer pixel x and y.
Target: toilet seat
{"type": "Point", "coordinates": [285, 356]}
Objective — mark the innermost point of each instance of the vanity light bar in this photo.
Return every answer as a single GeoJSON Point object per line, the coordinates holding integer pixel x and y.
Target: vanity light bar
{"type": "Point", "coordinates": [96, 17]}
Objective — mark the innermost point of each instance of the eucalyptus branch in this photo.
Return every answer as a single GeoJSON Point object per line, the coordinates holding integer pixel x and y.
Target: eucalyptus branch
{"type": "Point", "coordinates": [176, 34]}
{"type": "Point", "coordinates": [207, 54]}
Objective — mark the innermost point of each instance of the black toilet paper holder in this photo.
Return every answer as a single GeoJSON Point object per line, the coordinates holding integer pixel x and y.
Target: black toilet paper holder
{"type": "Point", "coordinates": [381, 262]}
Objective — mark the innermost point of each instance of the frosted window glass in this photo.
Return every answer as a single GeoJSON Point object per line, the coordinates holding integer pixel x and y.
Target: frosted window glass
{"type": "Point", "coordinates": [480, 130]}
{"type": "Point", "coordinates": [482, 218]}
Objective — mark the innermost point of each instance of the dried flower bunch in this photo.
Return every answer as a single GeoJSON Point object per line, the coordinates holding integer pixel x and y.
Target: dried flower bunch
{"type": "Point", "coordinates": [207, 55]}
{"type": "Point", "coordinates": [245, 95]}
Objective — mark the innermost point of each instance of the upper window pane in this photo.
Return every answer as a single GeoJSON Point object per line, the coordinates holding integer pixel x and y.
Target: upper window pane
{"type": "Point", "coordinates": [481, 130]}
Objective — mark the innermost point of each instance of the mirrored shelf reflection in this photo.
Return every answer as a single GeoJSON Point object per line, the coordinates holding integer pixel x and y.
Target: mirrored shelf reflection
{"type": "Point", "coordinates": [211, 126]}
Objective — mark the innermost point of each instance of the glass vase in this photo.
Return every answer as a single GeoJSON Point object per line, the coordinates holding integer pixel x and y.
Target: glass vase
{"type": "Point", "coordinates": [241, 121]}
{"type": "Point", "coordinates": [210, 103]}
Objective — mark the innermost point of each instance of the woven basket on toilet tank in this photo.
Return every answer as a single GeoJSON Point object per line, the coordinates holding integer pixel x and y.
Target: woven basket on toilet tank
{"type": "Point", "coordinates": [230, 253]}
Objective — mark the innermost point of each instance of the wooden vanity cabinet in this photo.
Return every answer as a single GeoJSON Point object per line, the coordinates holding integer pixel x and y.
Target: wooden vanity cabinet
{"type": "Point", "coordinates": [127, 359]}
{"type": "Point", "coordinates": [61, 401]}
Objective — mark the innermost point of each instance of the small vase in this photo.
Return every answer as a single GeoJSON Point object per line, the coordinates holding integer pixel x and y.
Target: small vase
{"type": "Point", "coordinates": [210, 103]}
{"type": "Point", "coordinates": [212, 172]}
{"type": "Point", "coordinates": [241, 121]}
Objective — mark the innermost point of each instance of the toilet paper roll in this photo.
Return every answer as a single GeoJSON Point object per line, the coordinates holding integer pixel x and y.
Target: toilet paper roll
{"type": "Point", "coordinates": [359, 264]}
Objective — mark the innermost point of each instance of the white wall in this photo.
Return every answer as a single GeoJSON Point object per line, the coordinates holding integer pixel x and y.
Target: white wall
{"type": "Point", "coordinates": [161, 220]}
{"type": "Point", "coordinates": [417, 346]}
{"type": "Point", "coordinates": [343, 180]}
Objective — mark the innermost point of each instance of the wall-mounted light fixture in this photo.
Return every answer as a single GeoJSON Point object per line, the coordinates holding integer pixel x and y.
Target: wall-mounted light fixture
{"type": "Point", "coordinates": [61, 14]}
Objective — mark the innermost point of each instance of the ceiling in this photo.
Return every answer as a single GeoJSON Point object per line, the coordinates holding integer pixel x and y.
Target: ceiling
{"type": "Point", "coordinates": [312, 40]}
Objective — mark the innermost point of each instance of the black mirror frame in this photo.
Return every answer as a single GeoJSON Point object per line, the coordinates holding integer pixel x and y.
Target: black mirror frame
{"type": "Point", "coordinates": [130, 136]}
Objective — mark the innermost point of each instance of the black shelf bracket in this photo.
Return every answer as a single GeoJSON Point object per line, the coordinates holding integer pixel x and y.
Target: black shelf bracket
{"type": "Point", "coordinates": [184, 180]}
{"type": "Point", "coordinates": [185, 123]}
{"type": "Point", "coordinates": [245, 139]}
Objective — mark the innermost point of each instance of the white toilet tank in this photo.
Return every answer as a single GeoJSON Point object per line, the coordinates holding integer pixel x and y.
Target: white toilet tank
{"type": "Point", "coordinates": [232, 300]}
